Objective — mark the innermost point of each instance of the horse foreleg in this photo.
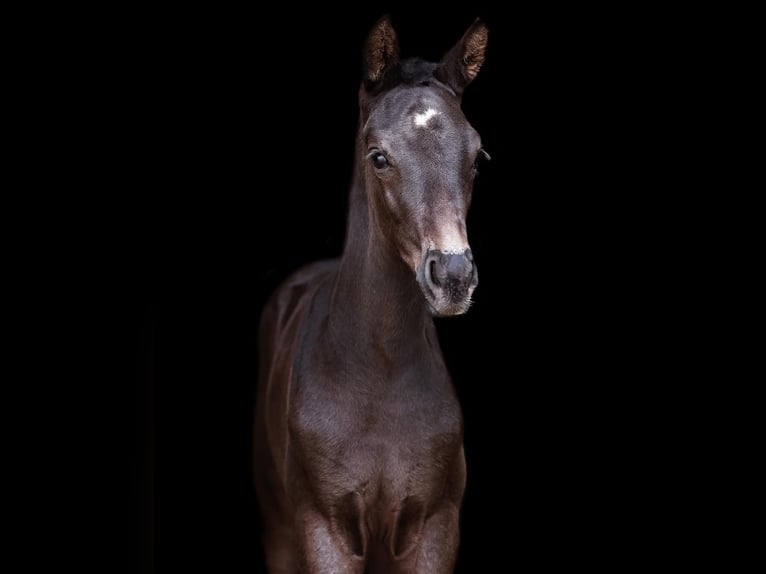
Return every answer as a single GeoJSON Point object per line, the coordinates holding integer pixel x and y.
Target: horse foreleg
{"type": "Point", "coordinates": [438, 548]}
{"type": "Point", "coordinates": [323, 551]}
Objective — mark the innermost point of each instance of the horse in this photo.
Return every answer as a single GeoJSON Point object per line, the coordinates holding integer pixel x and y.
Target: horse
{"type": "Point", "coordinates": [359, 463]}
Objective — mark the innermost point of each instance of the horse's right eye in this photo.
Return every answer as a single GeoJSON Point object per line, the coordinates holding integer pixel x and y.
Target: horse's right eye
{"type": "Point", "coordinates": [379, 160]}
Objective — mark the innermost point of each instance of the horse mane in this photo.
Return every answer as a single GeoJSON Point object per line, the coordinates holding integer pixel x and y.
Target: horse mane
{"type": "Point", "coordinates": [409, 72]}
{"type": "Point", "coordinates": [415, 71]}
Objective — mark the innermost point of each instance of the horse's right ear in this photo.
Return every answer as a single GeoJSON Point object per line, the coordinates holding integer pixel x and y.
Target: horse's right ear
{"type": "Point", "coordinates": [381, 52]}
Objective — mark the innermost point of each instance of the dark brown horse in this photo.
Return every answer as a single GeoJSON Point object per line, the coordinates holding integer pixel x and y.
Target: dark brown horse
{"type": "Point", "coordinates": [359, 463]}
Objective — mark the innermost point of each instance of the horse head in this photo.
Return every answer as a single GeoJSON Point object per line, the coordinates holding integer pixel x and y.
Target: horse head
{"type": "Point", "coordinates": [421, 156]}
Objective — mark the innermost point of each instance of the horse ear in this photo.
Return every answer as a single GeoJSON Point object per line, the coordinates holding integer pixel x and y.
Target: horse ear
{"type": "Point", "coordinates": [462, 63]}
{"type": "Point", "coordinates": [381, 52]}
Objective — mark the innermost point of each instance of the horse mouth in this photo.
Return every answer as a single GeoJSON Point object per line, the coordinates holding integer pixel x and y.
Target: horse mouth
{"type": "Point", "coordinates": [448, 309]}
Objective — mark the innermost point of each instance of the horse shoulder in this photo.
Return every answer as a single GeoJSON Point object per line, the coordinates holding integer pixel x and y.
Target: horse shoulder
{"type": "Point", "coordinates": [281, 335]}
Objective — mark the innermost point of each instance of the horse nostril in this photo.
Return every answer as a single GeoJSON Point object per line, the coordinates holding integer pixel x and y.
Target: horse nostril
{"type": "Point", "coordinates": [450, 274]}
{"type": "Point", "coordinates": [432, 273]}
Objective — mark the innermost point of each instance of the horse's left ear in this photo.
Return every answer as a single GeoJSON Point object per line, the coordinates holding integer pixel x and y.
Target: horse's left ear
{"type": "Point", "coordinates": [462, 63]}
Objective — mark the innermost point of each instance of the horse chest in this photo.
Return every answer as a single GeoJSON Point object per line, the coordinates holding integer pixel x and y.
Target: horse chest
{"type": "Point", "coordinates": [398, 442]}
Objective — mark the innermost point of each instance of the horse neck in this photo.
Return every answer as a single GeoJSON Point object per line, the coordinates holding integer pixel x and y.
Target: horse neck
{"type": "Point", "coordinates": [377, 307]}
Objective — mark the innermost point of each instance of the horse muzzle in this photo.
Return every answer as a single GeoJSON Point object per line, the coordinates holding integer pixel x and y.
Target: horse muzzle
{"type": "Point", "coordinates": [447, 281]}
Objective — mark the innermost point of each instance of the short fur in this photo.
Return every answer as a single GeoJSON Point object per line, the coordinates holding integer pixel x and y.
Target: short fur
{"type": "Point", "coordinates": [359, 462]}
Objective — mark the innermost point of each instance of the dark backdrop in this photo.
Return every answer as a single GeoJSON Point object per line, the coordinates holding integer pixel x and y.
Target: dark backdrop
{"type": "Point", "coordinates": [248, 125]}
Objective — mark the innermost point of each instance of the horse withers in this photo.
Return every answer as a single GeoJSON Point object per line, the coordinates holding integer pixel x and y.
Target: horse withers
{"type": "Point", "coordinates": [359, 463]}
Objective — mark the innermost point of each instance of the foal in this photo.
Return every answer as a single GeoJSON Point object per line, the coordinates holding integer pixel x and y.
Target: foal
{"type": "Point", "coordinates": [359, 463]}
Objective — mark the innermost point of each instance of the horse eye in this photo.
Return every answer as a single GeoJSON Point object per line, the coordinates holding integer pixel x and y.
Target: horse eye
{"type": "Point", "coordinates": [379, 160]}
{"type": "Point", "coordinates": [481, 157]}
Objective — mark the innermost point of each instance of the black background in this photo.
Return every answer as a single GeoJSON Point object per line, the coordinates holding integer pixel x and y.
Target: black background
{"type": "Point", "coordinates": [247, 124]}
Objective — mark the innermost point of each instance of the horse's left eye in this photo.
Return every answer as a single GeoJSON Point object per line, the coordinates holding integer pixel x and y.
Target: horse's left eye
{"type": "Point", "coordinates": [481, 157]}
{"type": "Point", "coordinates": [379, 160]}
